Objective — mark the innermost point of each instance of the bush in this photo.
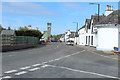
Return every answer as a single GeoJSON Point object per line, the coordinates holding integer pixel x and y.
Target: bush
{"type": "Point", "coordinates": [115, 47]}
{"type": "Point", "coordinates": [34, 33]}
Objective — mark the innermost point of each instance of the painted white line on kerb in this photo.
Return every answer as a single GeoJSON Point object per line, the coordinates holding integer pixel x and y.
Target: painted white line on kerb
{"type": "Point", "coordinates": [25, 67]}
{"type": "Point", "coordinates": [20, 73]}
{"type": "Point", "coordinates": [34, 69]}
{"type": "Point", "coordinates": [36, 65]}
{"type": "Point", "coordinates": [11, 71]}
{"type": "Point", "coordinates": [81, 71]}
{"type": "Point", "coordinates": [6, 77]}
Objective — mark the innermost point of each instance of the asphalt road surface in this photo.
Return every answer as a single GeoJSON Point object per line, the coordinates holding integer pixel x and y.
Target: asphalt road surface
{"type": "Point", "coordinates": [57, 60]}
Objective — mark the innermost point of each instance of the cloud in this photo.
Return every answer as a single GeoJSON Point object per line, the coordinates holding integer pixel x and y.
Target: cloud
{"type": "Point", "coordinates": [71, 5]}
{"type": "Point", "coordinates": [26, 8]}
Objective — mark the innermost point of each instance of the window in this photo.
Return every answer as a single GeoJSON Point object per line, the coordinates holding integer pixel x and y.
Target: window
{"type": "Point", "coordinates": [86, 39]}
{"type": "Point", "coordinates": [92, 40]}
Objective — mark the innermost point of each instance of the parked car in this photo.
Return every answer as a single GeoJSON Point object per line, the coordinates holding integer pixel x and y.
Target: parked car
{"type": "Point", "coordinates": [54, 40]}
{"type": "Point", "coordinates": [60, 41]}
{"type": "Point", "coordinates": [70, 42]}
{"type": "Point", "coordinates": [42, 41]}
{"type": "Point", "coordinates": [47, 41]}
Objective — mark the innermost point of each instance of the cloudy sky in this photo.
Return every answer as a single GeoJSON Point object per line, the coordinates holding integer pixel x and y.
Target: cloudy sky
{"type": "Point", "coordinates": [60, 14]}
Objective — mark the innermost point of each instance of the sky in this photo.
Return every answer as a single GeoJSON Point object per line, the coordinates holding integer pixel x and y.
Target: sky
{"type": "Point", "coordinates": [60, 14]}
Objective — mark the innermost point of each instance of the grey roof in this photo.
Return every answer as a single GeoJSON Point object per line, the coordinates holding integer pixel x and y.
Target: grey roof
{"type": "Point", "coordinates": [95, 18]}
{"type": "Point", "coordinates": [8, 32]}
{"type": "Point", "coordinates": [112, 18]}
{"type": "Point", "coordinates": [88, 21]}
{"type": "Point", "coordinates": [62, 35]}
{"type": "Point", "coordinates": [72, 35]}
{"type": "Point", "coordinates": [82, 27]}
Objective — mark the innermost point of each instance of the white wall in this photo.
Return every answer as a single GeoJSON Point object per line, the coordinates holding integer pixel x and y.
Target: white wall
{"type": "Point", "coordinates": [107, 38]}
{"type": "Point", "coordinates": [108, 12]}
{"type": "Point", "coordinates": [62, 39]}
{"type": "Point", "coordinates": [82, 38]}
{"type": "Point", "coordinates": [119, 37]}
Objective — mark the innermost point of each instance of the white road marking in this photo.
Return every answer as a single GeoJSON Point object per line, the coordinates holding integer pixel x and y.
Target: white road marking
{"type": "Point", "coordinates": [65, 56]}
{"type": "Point", "coordinates": [36, 65]}
{"type": "Point", "coordinates": [34, 69]}
{"type": "Point", "coordinates": [20, 73]}
{"type": "Point", "coordinates": [11, 71]}
{"type": "Point", "coordinates": [6, 77]}
{"type": "Point", "coordinates": [44, 62]}
{"type": "Point", "coordinates": [10, 55]}
{"type": "Point", "coordinates": [44, 66]}
{"type": "Point", "coordinates": [56, 47]}
{"type": "Point", "coordinates": [51, 61]}
{"type": "Point", "coordinates": [25, 67]}
{"type": "Point", "coordinates": [81, 71]}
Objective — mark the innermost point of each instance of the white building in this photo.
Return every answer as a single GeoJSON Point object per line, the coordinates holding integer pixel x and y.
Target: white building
{"type": "Point", "coordinates": [69, 35]}
{"type": "Point", "coordinates": [108, 32]}
{"type": "Point", "coordinates": [82, 38]}
{"type": "Point", "coordinates": [87, 34]}
{"type": "Point", "coordinates": [103, 34]}
{"type": "Point", "coordinates": [62, 38]}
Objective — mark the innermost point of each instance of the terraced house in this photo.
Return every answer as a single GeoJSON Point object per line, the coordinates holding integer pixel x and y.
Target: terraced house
{"type": "Point", "coordinates": [102, 34]}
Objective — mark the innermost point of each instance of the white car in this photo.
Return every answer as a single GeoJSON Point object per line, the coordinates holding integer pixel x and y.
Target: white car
{"type": "Point", "coordinates": [70, 42]}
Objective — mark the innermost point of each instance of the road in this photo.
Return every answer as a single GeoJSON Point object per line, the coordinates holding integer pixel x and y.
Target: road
{"type": "Point", "coordinates": [57, 60]}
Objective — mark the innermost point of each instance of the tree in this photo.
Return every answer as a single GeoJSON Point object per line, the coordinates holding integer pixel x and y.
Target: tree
{"type": "Point", "coordinates": [9, 28]}
{"type": "Point", "coordinates": [28, 32]}
{"type": "Point", "coordinates": [23, 28]}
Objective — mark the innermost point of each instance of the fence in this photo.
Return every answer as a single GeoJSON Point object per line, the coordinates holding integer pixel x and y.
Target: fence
{"type": "Point", "coordinates": [15, 40]}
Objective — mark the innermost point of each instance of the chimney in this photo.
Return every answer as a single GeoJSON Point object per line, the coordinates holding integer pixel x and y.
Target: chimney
{"type": "Point", "coordinates": [109, 10]}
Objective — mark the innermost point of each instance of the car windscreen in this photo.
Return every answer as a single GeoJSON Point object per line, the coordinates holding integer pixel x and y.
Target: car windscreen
{"type": "Point", "coordinates": [70, 41]}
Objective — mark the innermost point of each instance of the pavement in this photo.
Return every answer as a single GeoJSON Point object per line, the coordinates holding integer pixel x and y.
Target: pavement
{"type": "Point", "coordinates": [107, 54]}
{"type": "Point", "coordinates": [57, 60]}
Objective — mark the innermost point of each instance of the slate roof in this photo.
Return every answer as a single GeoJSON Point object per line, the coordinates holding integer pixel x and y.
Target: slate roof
{"type": "Point", "coordinates": [113, 18]}
{"type": "Point", "coordinates": [95, 18]}
{"type": "Point", "coordinates": [63, 35]}
{"type": "Point", "coordinates": [72, 35]}
{"type": "Point", "coordinates": [8, 32]}
{"type": "Point", "coordinates": [82, 27]}
{"type": "Point", "coordinates": [88, 21]}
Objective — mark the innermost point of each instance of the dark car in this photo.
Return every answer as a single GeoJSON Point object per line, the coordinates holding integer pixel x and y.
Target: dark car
{"type": "Point", "coordinates": [42, 41]}
{"type": "Point", "coordinates": [54, 40]}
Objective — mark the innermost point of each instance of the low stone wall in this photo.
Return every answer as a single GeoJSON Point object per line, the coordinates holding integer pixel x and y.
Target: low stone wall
{"type": "Point", "coordinates": [16, 47]}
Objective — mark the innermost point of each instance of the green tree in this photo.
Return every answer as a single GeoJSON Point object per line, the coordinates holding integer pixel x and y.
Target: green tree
{"type": "Point", "coordinates": [28, 32]}
{"type": "Point", "coordinates": [9, 28]}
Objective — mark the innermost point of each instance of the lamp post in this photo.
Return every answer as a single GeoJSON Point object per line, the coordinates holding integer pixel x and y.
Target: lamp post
{"type": "Point", "coordinates": [77, 26]}
{"type": "Point", "coordinates": [98, 8]}
{"type": "Point", "coordinates": [76, 34]}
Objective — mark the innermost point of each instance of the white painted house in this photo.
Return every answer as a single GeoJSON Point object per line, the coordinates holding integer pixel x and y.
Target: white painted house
{"type": "Point", "coordinates": [87, 34]}
{"type": "Point", "coordinates": [108, 32]}
{"type": "Point", "coordinates": [62, 38]}
{"type": "Point", "coordinates": [103, 34]}
{"type": "Point", "coordinates": [82, 38]}
{"type": "Point", "coordinates": [69, 35]}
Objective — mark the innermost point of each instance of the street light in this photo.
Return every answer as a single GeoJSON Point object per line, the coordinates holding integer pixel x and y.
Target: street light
{"type": "Point", "coordinates": [77, 26]}
{"type": "Point", "coordinates": [98, 8]}
{"type": "Point", "coordinates": [76, 34]}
